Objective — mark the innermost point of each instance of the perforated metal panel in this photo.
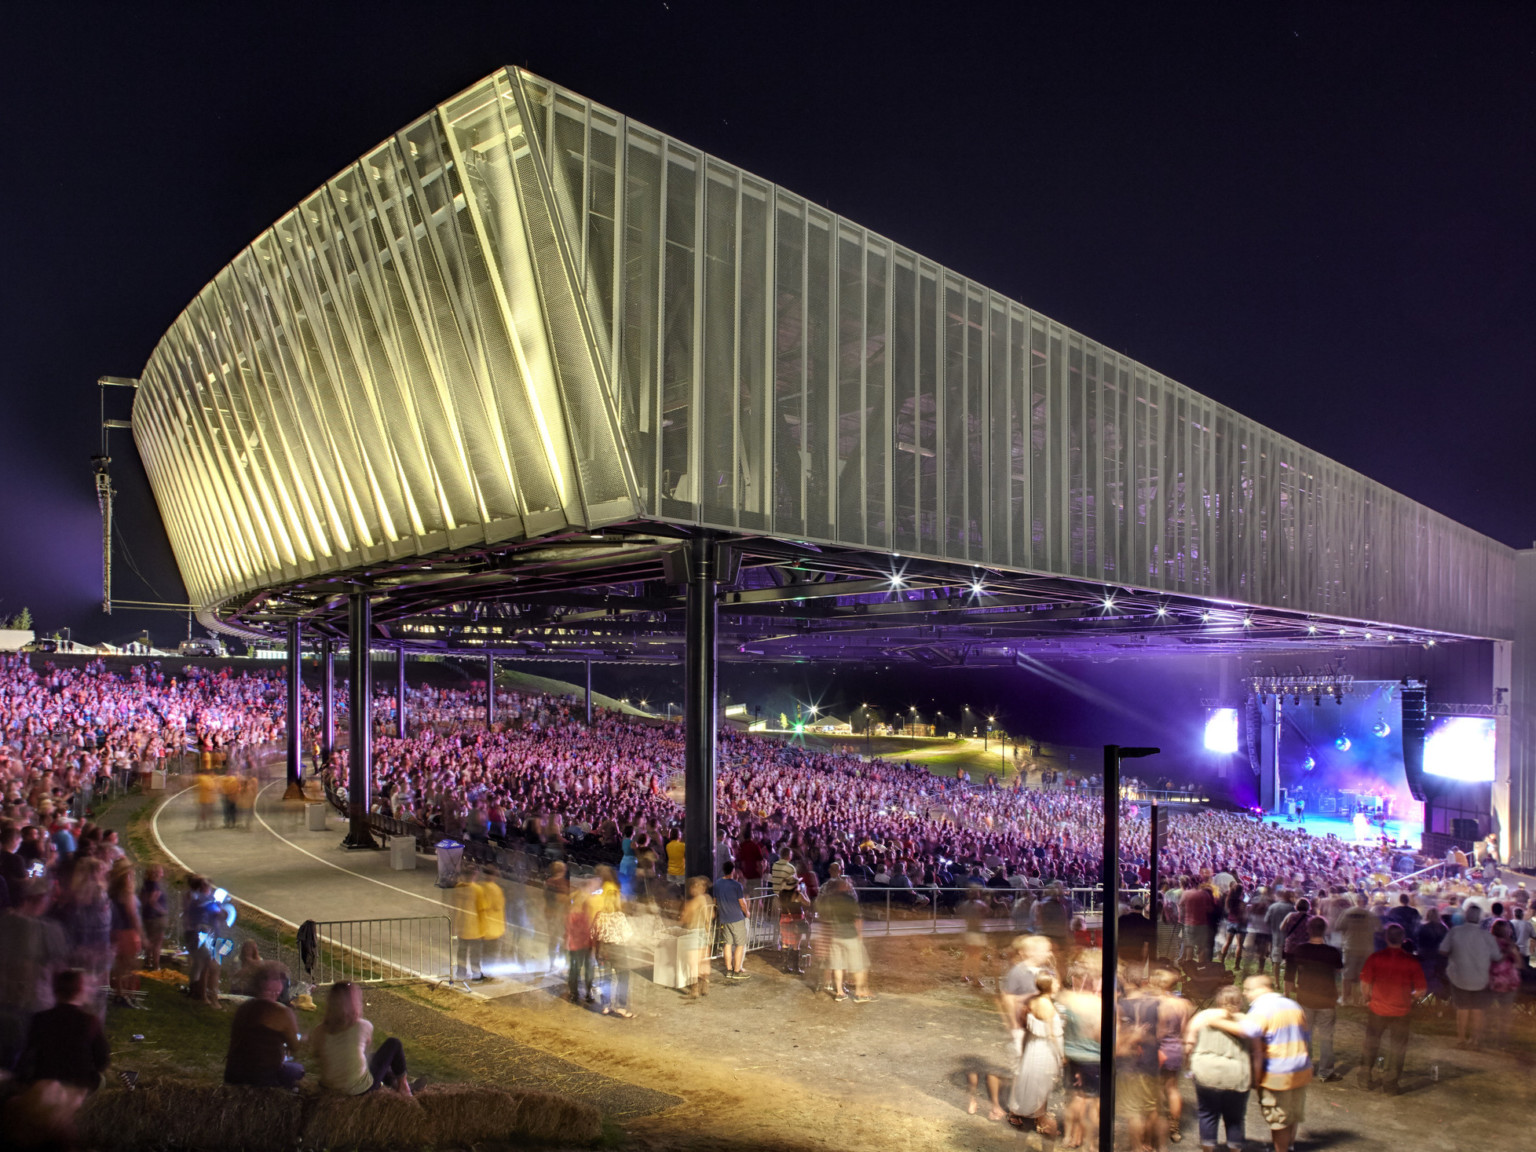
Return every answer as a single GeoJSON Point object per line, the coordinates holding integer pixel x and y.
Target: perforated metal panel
{"type": "Point", "coordinates": [403, 364]}
{"type": "Point", "coordinates": [526, 312]}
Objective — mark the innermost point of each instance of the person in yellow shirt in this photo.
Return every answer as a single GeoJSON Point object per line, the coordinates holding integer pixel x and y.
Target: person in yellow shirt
{"type": "Point", "coordinates": [230, 787]}
{"type": "Point", "coordinates": [466, 927]}
{"type": "Point", "coordinates": [677, 856]}
{"type": "Point", "coordinates": [207, 792]}
{"type": "Point", "coordinates": [491, 910]}
{"type": "Point", "coordinates": [248, 788]}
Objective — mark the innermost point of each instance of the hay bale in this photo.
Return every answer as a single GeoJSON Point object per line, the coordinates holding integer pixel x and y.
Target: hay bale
{"type": "Point", "coordinates": [169, 1112]}
{"type": "Point", "coordinates": [384, 1120]}
{"type": "Point", "coordinates": [465, 1114]}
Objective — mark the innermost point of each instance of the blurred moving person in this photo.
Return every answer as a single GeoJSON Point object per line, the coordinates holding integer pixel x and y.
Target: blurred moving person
{"type": "Point", "coordinates": [1221, 1064]}
{"type": "Point", "coordinates": [1392, 980]}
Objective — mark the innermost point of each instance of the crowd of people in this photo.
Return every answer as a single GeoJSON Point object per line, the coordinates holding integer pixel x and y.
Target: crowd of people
{"type": "Point", "coordinates": [545, 778]}
{"type": "Point", "coordinates": [1394, 950]}
{"type": "Point", "coordinates": [1307, 922]}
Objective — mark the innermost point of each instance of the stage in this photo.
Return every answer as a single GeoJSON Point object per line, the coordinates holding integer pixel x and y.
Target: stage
{"type": "Point", "coordinates": [1345, 830]}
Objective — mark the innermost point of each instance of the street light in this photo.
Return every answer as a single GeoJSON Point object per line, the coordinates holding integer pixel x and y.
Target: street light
{"type": "Point", "coordinates": [1113, 754]}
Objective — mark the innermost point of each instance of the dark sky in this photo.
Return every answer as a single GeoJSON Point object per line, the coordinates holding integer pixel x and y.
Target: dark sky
{"type": "Point", "coordinates": [1321, 214]}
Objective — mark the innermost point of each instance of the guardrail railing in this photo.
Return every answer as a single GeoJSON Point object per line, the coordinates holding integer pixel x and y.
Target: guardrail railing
{"type": "Point", "coordinates": [377, 951]}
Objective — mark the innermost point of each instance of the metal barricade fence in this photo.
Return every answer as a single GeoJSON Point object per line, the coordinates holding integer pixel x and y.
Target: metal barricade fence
{"type": "Point", "coordinates": [376, 951]}
{"type": "Point", "coordinates": [931, 910]}
{"type": "Point", "coordinates": [380, 951]}
{"type": "Point", "coordinates": [762, 924]}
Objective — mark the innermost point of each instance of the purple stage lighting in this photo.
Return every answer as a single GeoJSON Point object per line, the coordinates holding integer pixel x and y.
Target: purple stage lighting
{"type": "Point", "coordinates": [1460, 748]}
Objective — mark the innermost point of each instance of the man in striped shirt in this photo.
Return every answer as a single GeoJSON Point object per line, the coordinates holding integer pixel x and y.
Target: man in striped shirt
{"type": "Point", "coordinates": [1281, 1024]}
{"type": "Point", "coordinates": [783, 875]}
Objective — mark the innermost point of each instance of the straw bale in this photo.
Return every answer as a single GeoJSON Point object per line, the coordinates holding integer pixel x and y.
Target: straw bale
{"type": "Point", "coordinates": [169, 1112]}
{"type": "Point", "coordinates": [464, 1114]}
{"type": "Point", "coordinates": [384, 1120]}
{"type": "Point", "coordinates": [174, 1113]}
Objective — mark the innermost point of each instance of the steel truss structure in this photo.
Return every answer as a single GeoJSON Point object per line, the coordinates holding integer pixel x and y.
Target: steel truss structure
{"type": "Point", "coordinates": [499, 369]}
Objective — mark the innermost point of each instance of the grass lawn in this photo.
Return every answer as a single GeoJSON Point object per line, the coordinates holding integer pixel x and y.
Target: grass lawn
{"type": "Point", "coordinates": [184, 1038]}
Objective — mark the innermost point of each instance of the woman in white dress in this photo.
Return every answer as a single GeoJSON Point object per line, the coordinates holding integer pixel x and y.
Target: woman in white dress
{"type": "Point", "coordinates": [1040, 1066]}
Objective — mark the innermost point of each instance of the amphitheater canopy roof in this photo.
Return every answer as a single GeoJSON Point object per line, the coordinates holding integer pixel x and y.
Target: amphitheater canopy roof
{"type": "Point", "coordinates": [520, 347]}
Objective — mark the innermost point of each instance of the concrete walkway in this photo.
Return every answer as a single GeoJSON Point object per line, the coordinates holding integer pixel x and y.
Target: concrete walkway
{"type": "Point", "coordinates": [291, 874]}
{"type": "Point", "coordinates": [281, 868]}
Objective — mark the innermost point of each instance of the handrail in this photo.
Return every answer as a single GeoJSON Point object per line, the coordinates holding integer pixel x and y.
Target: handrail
{"type": "Point", "coordinates": [379, 822]}
{"type": "Point", "coordinates": [1420, 872]}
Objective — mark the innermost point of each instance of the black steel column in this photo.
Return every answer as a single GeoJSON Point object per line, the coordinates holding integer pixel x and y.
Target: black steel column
{"type": "Point", "coordinates": [490, 689]}
{"type": "Point", "coordinates": [1154, 893]}
{"type": "Point", "coordinates": [295, 789]}
{"type": "Point", "coordinates": [589, 693]}
{"type": "Point", "coordinates": [400, 693]}
{"type": "Point", "coordinates": [359, 721]}
{"type": "Point", "coordinates": [1113, 754]}
{"type": "Point", "coordinates": [699, 703]}
{"type": "Point", "coordinates": [328, 702]}
{"type": "Point", "coordinates": [1110, 969]}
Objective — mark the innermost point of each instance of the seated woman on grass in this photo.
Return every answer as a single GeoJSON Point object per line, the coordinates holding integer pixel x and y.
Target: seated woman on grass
{"type": "Point", "coordinates": [341, 1042]}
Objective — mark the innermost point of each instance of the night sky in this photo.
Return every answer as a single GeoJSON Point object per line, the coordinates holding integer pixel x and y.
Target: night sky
{"type": "Point", "coordinates": [1322, 215]}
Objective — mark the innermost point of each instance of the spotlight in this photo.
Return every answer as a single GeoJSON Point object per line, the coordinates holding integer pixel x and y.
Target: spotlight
{"type": "Point", "coordinates": [1161, 611]}
{"type": "Point", "coordinates": [1308, 764]}
{"type": "Point", "coordinates": [1390, 636]}
{"type": "Point", "coordinates": [1367, 635]}
{"type": "Point", "coordinates": [1381, 728]}
{"type": "Point", "coordinates": [1431, 643]}
{"type": "Point", "coordinates": [896, 581]}
{"type": "Point", "coordinates": [1247, 621]}
{"type": "Point", "coordinates": [1343, 744]}
{"type": "Point", "coordinates": [1109, 601]}
{"type": "Point", "coordinates": [1205, 616]}
{"type": "Point", "coordinates": [1311, 629]}
{"type": "Point", "coordinates": [977, 589]}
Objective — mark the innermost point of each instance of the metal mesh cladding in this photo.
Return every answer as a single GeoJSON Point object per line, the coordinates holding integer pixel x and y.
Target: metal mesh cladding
{"type": "Point", "coordinates": [526, 312]}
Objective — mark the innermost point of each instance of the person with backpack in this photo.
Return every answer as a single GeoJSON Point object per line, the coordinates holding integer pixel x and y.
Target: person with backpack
{"type": "Point", "coordinates": [1291, 935]}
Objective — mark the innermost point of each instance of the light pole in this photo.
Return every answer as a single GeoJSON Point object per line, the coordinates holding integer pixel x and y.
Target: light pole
{"type": "Point", "coordinates": [1113, 754]}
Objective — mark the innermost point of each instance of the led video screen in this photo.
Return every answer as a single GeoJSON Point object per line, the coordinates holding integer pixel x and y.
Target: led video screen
{"type": "Point", "coordinates": [1459, 748]}
{"type": "Point", "coordinates": [1221, 730]}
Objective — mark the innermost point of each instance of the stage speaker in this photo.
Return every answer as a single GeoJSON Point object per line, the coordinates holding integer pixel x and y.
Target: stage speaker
{"type": "Point", "coordinates": [1464, 828]}
{"type": "Point", "coordinates": [1415, 720]}
{"type": "Point", "coordinates": [1253, 726]}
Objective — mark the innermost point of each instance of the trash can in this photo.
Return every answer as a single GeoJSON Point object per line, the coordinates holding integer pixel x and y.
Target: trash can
{"type": "Point", "coordinates": [402, 853]}
{"type": "Point", "coordinates": [450, 855]}
{"type": "Point", "coordinates": [157, 781]}
{"type": "Point", "coordinates": [315, 814]}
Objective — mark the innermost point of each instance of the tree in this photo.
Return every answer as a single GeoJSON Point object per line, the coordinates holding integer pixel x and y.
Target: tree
{"type": "Point", "coordinates": [22, 621]}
